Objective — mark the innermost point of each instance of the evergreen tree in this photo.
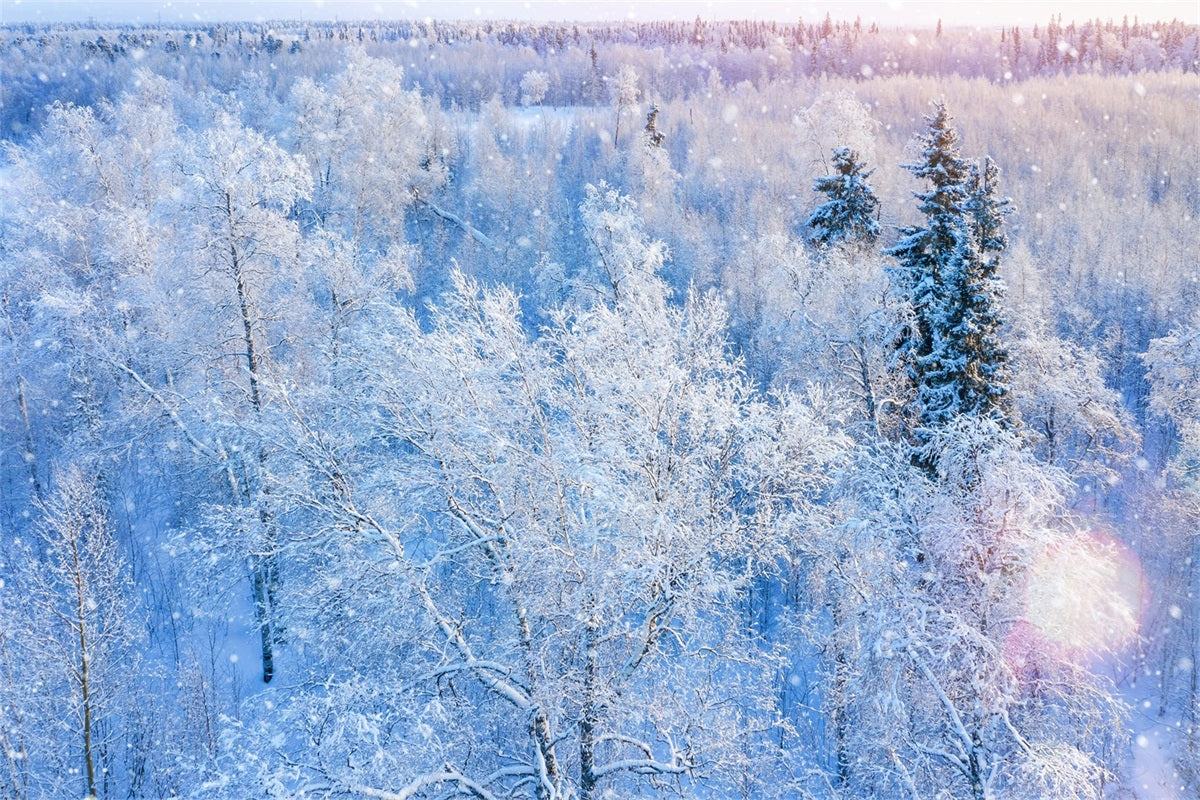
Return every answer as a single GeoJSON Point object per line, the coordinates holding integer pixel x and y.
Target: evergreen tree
{"type": "Point", "coordinates": [850, 212]}
{"type": "Point", "coordinates": [987, 211]}
{"type": "Point", "coordinates": [947, 272]}
{"type": "Point", "coordinates": [654, 137]}
{"type": "Point", "coordinates": [983, 291]}
{"type": "Point", "coordinates": [926, 253]}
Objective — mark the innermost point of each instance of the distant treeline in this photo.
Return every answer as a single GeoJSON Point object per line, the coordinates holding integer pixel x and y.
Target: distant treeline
{"type": "Point", "coordinates": [466, 63]}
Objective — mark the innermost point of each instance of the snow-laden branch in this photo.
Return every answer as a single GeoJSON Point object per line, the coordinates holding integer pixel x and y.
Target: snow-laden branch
{"type": "Point", "coordinates": [462, 784]}
{"type": "Point", "coordinates": [166, 407]}
{"type": "Point", "coordinates": [486, 672]}
{"type": "Point", "coordinates": [472, 666]}
{"type": "Point", "coordinates": [966, 742]}
{"type": "Point", "coordinates": [644, 766]}
{"type": "Point", "coordinates": [487, 677]}
{"type": "Point", "coordinates": [647, 765]}
{"type": "Point", "coordinates": [546, 759]}
{"type": "Point", "coordinates": [467, 227]}
{"type": "Point", "coordinates": [453, 551]}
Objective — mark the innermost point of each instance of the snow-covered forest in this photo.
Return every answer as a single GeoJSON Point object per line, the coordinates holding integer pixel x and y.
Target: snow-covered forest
{"type": "Point", "coordinates": [708, 410]}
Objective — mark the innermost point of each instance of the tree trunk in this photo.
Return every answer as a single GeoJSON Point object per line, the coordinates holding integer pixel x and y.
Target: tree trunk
{"type": "Point", "coordinates": [587, 719]}
{"type": "Point", "coordinates": [23, 406]}
{"type": "Point", "coordinates": [840, 725]}
{"type": "Point", "coordinates": [89, 760]}
{"type": "Point", "coordinates": [265, 566]}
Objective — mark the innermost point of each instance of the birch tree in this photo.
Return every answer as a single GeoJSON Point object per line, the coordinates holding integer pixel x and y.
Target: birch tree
{"type": "Point", "coordinates": [561, 528]}
{"type": "Point", "coordinates": [240, 190]}
{"type": "Point", "coordinates": [79, 645]}
{"type": "Point", "coordinates": [969, 630]}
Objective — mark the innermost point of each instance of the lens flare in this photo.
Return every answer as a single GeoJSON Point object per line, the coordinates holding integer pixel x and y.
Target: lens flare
{"type": "Point", "coordinates": [1086, 594]}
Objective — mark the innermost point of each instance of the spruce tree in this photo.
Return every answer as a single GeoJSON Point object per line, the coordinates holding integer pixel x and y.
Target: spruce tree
{"type": "Point", "coordinates": [849, 213]}
{"type": "Point", "coordinates": [654, 137]}
{"type": "Point", "coordinates": [987, 211]}
{"type": "Point", "coordinates": [947, 271]}
{"type": "Point", "coordinates": [983, 291]}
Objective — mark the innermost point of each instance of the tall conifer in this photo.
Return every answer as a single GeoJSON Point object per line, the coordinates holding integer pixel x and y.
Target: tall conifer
{"type": "Point", "coordinates": [947, 271]}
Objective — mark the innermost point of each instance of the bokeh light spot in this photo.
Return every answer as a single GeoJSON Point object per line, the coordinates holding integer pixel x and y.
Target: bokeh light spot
{"type": "Point", "coordinates": [1086, 594]}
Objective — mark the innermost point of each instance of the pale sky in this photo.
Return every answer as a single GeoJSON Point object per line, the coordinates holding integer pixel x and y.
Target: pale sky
{"type": "Point", "coordinates": [885, 12]}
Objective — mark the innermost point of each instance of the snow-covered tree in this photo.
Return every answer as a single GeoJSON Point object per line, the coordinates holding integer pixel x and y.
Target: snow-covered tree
{"type": "Point", "coordinates": [625, 93]}
{"type": "Point", "coordinates": [1060, 396]}
{"type": "Point", "coordinates": [955, 358]}
{"type": "Point", "coordinates": [965, 632]}
{"type": "Point", "coordinates": [80, 643]}
{"type": "Point", "coordinates": [982, 293]}
{"type": "Point", "coordinates": [364, 182]}
{"type": "Point", "coordinates": [625, 256]}
{"type": "Point", "coordinates": [926, 254]}
{"type": "Point", "coordinates": [1174, 366]}
{"type": "Point", "coordinates": [654, 137]}
{"type": "Point", "coordinates": [17, 702]}
{"type": "Point", "coordinates": [822, 319]}
{"type": "Point", "coordinates": [560, 528]}
{"type": "Point", "coordinates": [240, 194]}
{"type": "Point", "coordinates": [1173, 363]}
{"type": "Point", "coordinates": [79, 253]}
{"type": "Point", "coordinates": [851, 211]}
{"type": "Point", "coordinates": [837, 118]}
{"type": "Point", "coordinates": [534, 85]}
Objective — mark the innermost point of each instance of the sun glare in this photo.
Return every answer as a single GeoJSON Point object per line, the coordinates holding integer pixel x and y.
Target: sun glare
{"type": "Point", "coordinates": [1086, 594]}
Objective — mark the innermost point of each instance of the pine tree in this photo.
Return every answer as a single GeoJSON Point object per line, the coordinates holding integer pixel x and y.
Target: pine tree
{"type": "Point", "coordinates": [947, 271]}
{"type": "Point", "coordinates": [849, 213]}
